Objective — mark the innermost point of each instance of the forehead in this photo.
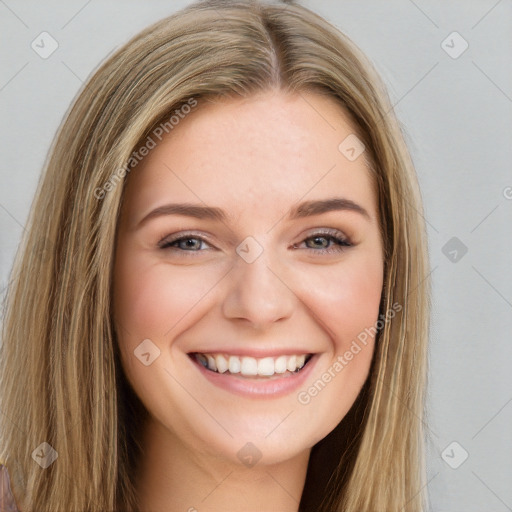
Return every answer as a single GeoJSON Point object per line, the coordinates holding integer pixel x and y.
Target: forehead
{"type": "Point", "coordinates": [262, 153]}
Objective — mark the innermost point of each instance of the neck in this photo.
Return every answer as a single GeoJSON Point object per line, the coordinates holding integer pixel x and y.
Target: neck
{"type": "Point", "coordinates": [175, 477]}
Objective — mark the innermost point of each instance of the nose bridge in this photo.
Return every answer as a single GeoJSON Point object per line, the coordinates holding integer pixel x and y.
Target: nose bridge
{"type": "Point", "coordinates": [257, 292]}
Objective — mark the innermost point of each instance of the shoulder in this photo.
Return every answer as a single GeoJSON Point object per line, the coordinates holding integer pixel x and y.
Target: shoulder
{"type": "Point", "coordinates": [7, 503]}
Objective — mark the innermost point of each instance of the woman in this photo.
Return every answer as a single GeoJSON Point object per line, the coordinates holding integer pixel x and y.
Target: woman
{"type": "Point", "coordinates": [232, 306]}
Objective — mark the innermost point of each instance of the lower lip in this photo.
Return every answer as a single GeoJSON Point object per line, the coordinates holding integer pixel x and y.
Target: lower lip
{"type": "Point", "coordinates": [272, 388]}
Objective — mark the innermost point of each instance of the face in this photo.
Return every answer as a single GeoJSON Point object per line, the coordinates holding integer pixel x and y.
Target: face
{"type": "Point", "coordinates": [263, 276]}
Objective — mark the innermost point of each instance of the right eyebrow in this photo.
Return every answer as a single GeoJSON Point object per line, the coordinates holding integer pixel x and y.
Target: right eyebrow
{"type": "Point", "coordinates": [186, 210]}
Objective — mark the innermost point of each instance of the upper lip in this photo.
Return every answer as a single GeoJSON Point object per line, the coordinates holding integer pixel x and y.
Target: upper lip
{"type": "Point", "coordinates": [254, 352]}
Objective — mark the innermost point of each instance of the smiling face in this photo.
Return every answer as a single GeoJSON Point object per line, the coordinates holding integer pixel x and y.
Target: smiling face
{"type": "Point", "coordinates": [249, 276]}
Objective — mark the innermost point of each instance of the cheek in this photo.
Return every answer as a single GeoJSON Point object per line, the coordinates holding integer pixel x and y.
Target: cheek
{"type": "Point", "coordinates": [154, 301]}
{"type": "Point", "coordinates": [345, 302]}
{"type": "Point", "coordinates": [345, 297]}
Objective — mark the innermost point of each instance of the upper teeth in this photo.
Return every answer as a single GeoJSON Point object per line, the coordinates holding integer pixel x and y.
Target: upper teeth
{"type": "Point", "coordinates": [265, 366]}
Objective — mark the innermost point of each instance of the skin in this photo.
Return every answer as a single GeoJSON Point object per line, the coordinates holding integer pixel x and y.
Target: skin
{"type": "Point", "coordinates": [255, 158]}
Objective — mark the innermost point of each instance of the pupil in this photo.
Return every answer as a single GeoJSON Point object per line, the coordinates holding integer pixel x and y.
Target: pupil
{"type": "Point", "coordinates": [190, 242]}
{"type": "Point", "coordinates": [319, 238]}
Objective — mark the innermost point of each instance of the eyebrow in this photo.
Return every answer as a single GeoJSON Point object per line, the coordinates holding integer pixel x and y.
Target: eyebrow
{"type": "Point", "coordinates": [302, 210]}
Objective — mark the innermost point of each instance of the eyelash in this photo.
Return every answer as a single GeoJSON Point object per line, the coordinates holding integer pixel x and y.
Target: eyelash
{"type": "Point", "coordinates": [332, 235]}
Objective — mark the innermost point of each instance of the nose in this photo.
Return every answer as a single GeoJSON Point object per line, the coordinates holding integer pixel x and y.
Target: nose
{"type": "Point", "coordinates": [258, 293]}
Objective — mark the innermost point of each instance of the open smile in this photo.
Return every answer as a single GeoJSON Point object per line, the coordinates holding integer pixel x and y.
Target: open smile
{"type": "Point", "coordinates": [250, 376]}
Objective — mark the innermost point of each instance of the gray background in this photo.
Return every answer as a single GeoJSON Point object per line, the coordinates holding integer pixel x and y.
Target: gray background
{"type": "Point", "coordinates": [456, 114]}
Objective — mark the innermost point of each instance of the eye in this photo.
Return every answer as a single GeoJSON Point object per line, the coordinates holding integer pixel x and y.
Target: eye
{"type": "Point", "coordinates": [327, 241]}
{"type": "Point", "coordinates": [188, 243]}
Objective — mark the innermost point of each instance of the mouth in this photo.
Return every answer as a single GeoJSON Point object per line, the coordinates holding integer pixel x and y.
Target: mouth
{"type": "Point", "coordinates": [265, 377]}
{"type": "Point", "coordinates": [252, 367]}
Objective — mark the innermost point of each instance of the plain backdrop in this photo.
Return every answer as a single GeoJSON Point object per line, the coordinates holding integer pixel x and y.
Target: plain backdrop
{"type": "Point", "coordinates": [454, 104]}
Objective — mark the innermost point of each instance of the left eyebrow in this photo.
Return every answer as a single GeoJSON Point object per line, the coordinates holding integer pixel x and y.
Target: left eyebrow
{"type": "Point", "coordinates": [310, 208]}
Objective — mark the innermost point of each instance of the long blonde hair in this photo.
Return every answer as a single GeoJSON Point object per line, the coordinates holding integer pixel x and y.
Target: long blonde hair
{"type": "Point", "coordinates": [60, 371]}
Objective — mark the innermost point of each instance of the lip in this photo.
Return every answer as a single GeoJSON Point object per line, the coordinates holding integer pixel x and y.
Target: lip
{"type": "Point", "coordinates": [256, 388]}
